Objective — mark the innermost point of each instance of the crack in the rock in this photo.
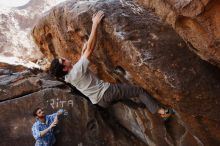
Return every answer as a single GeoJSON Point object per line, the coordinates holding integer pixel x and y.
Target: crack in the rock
{"type": "Point", "coordinates": [29, 93]}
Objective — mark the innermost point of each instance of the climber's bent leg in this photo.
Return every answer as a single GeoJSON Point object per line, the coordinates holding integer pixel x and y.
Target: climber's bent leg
{"type": "Point", "coordinates": [117, 92]}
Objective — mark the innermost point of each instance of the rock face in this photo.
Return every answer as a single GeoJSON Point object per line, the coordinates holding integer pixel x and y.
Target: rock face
{"type": "Point", "coordinates": [136, 47]}
{"type": "Point", "coordinates": [9, 69]}
{"type": "Point", "coordinates": [15, 29]}
{"type": "Point", "coordinates": [22, 92]}
{"type": "Point", "coordinates": [196, 21]}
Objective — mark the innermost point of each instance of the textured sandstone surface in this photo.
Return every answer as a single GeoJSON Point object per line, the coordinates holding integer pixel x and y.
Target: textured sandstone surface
{"type": "Point", "coordinates": [85, 125]}
{"type": "Point", "coordinates": [196, 21]}
{"type": "Point", "coordinates": [16, 24]}
{"type": "Point", "coordinates": [136, 47]}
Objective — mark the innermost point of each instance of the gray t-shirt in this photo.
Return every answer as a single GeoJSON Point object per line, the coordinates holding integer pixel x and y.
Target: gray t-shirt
{"type": "Point", "coordinates": [85, 81]}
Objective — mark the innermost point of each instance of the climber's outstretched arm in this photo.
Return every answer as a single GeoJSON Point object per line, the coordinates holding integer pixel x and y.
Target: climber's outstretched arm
{"type": "Point", "coordinates": [96, 19]}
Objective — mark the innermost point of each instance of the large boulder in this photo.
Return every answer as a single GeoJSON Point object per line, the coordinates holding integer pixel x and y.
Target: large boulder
{"type": "Point", "coordinates": [85, 125]}
{"type": "Point", "coordinates": [196, 21]}
{"type": "Point", "coordinates": [136, 47]}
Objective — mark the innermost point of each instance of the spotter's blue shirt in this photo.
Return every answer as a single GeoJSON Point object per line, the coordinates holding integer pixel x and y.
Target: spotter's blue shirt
{"type": "Point", "coordinates": [49, 138]}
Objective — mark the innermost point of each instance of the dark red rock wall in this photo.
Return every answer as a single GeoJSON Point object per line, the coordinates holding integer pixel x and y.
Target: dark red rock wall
{"type": "Point", "coordinates": [85, 125]}
{"type": "Point", "coordinates": [196, 21]}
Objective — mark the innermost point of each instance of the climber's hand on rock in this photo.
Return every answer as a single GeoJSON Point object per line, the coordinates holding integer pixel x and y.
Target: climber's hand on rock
{"type": "Point", "coordinates": [97, 17]}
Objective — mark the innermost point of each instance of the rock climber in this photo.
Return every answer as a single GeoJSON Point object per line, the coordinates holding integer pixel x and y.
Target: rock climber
{"type": "Point", "coordinates": [98, 91]}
